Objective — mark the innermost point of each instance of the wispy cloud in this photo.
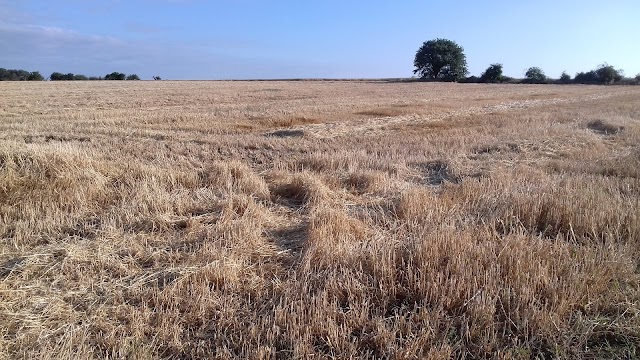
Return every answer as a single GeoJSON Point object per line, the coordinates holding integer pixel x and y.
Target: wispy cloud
{"type": "Point", "coordinates": [49, 49]}
{"type": "Point", "coordinates": [144, 28]}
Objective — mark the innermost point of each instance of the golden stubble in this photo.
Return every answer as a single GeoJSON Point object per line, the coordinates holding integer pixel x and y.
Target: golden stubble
{"type": "Point", "coordinates": [346, 219]}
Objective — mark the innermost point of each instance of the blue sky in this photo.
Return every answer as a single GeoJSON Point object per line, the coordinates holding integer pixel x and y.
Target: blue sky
{"type": "Point", "coordinates": [244, 39]}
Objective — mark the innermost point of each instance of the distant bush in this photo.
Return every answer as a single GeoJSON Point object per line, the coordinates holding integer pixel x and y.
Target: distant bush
{"type": "Point", "coordinates": [133, 77]}
{"type": "Point", "coordinates": [115, 76]}
{"type": "Point", "coordinates": [35, 76]}
{"type": "Point", "coordinates": [535, 75]}
{"type": "Point", "coordinates": [470, 79]}
{"type": "Point", "coordinates": [564, 78]}
{"type": "Point", "coordinates": [607, 74]}
{"type": "Point", "coordinates": [493, 74]}
{"type": "Point", "coordinates": [604, 74]}
{"type": "Point", "coordinates": [589, 77]}
{"type": "Point", "coordinates": [627, 81]}
{"type": "Point", "coordinates": [56, 76]}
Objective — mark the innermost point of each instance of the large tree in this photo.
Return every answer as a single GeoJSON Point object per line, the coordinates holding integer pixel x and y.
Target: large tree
{"type": "Point", "coordinates": [440, 59]}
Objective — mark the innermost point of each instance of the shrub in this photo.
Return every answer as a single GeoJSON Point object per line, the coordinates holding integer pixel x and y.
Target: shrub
{"type": "Point", "coordinates": [604, 74]}
{"type": "Point", "coordinates": [35, 76]}
{"type": "Point", "coordinates": [589, 77]}
{"type": "Point", "coordinates": [13, 75]}
{"type": "Point", "coordinates": [471, 79]}
{"type": "Point", "coordinates": [565, 78]}
{"type": "Point", "coordinates": [607, 74]}
{"type": "Point", "coordinates": [133, 77]}
{"type": "Point", "coordinates": [115, 76]}
{"type": "Point", "coordinates": [509, 80]}
{"type": "Point", "coordinates": [535, 75]}
{"type": "Point", "coordinates": [493, 74]}
{"type": "Point", "coordinates": [56, 76]}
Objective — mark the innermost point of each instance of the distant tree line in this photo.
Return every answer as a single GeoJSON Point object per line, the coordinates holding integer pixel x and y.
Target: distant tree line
{"type": "Point", "coordinates": [444, 60]}
{"type": "Point", "coordinates": [19, 75]}
{"type": "Point", "coordinates": [23, 75]}
{"type": "Point", "coordinates": [56, 76]}
{"type": "Point", "coordinates": [603, 75]}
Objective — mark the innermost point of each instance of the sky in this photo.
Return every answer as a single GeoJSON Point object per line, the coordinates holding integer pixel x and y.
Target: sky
{"type": "Point", "coordinates": [260, 39]}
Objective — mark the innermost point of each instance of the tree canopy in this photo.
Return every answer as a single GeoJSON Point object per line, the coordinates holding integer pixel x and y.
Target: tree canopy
{"type": "Point", "coordinates": [493, 74]}
{"type": "Point", "coordinates": [440, 59]}
{"type": "Point", "coordinates": [565, 78]}
{"type": "Point", "coordinates": [535, 75]}
{"type": "Point", "coordinates": [19, 75]}
{"type": "Point", "coordinates": [607, 74]}
{"type": "Point", "coordinates": [115, 76]}
{"type": "Point", "coordinates": [604, 74]}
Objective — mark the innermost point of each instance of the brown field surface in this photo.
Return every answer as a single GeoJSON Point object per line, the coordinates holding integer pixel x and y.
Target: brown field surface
{"type": "Point", "coordinates": [319, 219]}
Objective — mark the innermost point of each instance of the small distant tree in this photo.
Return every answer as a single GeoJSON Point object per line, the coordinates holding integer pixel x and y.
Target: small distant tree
{"type": "Point", "coordinates": [80, 77]}
{"type": "Point", "coordinates": [56, 76]}
{"type": "Point", "coordinates": [35, 76]}
{"type": "Point", "coordinates": [17, 75]}
{"type": "Point", "coordinates": [157, 78]}
{"type": "Point", "coordinates": [607, 74]}
{"type": "Point", "coordinates": [565, 78]}
{"type": "Point", "coordinates": [133, 77]}
{"type": "Point", "coordinates": [637, 79]}
{"type": "Point", "coordinates": [440, 59]}
{"type": "Point", "coordinates": [115, 76]}
{"type": "Point", "coordinates": [589, 77]}
{"type": "Point", "coordinates": [21, 75]}
{"type": "Point", "coordinates": [535, 75]}
{"type": "Point", "coordinates": [493, 74]}
{"type": "Point", "coordinates": [604, 74]}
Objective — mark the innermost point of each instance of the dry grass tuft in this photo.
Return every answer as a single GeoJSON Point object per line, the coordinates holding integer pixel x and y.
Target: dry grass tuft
{"type": "Point", "coordinates": [363, 182]}
{"type": "Point", "coordinates": [294, 121]}
{"type": "Point", "coordinates": [382, 112]}
{"type": "Point", "coordinates": [302, 190]}
{"type": "Point", "coordinates": [234, 177]}
{"type": "Point", "coordinates": [602, 127]}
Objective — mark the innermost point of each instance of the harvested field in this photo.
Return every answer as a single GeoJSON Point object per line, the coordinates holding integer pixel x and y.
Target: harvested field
{"type": "Point", "coordinates": [294, 220]}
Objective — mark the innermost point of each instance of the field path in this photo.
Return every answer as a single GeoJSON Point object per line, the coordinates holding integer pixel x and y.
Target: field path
{"type": "Point", "coordinates": [373, 126]}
